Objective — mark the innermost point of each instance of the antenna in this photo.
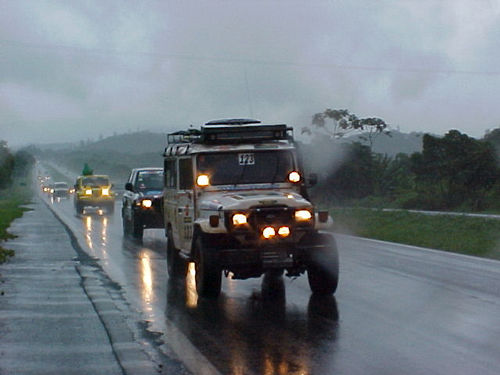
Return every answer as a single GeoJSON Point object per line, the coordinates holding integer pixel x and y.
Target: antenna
{"type": "Point", "coordinates": [249, 97]}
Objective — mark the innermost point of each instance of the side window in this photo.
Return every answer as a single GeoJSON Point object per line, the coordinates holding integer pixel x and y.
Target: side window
{"type": "Point", "coordinates": [185, 174]}
{"type": "Point", "coordinates": [170, 173]}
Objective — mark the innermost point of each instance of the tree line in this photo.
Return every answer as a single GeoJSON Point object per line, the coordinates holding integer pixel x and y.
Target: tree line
{"type": "Point", "coordinates": [453, 172]}
{"type": "Point", "coordinates": [12, 165]}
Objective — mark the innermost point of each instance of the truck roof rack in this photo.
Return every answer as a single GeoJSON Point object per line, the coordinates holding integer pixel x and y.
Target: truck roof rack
{"type": "Point", "coordinates": [228, 131]}
{"type": "Point", "coordinates": [234, 121]}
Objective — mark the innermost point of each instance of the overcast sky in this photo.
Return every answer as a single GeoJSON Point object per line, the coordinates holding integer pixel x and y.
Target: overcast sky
{"type": "Point", "coordinates": [72, 70]}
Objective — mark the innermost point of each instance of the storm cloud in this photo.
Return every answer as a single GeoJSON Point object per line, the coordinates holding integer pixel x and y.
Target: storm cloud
{"type": "Point", "coordinates": [80, 69]}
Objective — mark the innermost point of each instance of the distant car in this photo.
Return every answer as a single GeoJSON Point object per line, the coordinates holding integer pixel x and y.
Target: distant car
{"type": "Point", "coordinates": [94, 191]}
{"type": "Point", "coordinates": [49, 189]}
{"type": "Point", "coordinates": [45, 184]}
{"type": "Point", "coordinates": [60, 190]}
{"type": "Point", "coordinates": [143, 201]}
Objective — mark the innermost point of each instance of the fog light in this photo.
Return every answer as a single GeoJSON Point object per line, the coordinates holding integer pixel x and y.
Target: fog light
{"type": "Point", "coordinates": [268, 232]}
{"type": "Point", "coordinates": [284, 231]}
{"type": "Point", "coordinates": [147, 203]}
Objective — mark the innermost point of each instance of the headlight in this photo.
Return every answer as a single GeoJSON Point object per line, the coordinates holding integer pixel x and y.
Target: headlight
{"type": "Point", "coordinates": [105, 191]}
{"type": "Point", "coordinates": [239, 219]}
{"type": "Point", "coordinates": [294, 177]}
{"type": "Point", "coordinates": [203, 180]}
{"type": "Point", "coordinates": [303, 215]}
{"type": "Point", "coordinates": [284, 231]}
{"type": "Point", "coordinates": [147, 203]}
{"type": "Point", "coordinates": [88, 191]}
{"type": "Point", "coordinates": [268, 232]}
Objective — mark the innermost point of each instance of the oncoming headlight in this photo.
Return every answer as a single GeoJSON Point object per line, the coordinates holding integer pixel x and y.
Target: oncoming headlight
{"type": "Point", "coordinates": [284, 231]}
{"type": "Point", "coordinates": [239, 219]}
{"type": "Point", "coordinates": [268, 232]}
{"type": "Point", "coordinates": [294, 177]}
{"type": "Point", "coordinates": [105, 191]}
{"type": "Point", "coordinates": [88, 191]}
{"type": "Point", "coordinates": [303, 215]}
{"type": "Point", "coordinates": [203, 180]}
{"type": "Point", "coordinates": [147, 203]}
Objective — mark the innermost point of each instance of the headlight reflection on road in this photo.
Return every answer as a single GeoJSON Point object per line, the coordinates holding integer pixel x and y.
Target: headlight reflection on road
{"type": "Point", "coordinates": [96, 235]}
{"type": "Point", "coordinates": [104, 231]}
{"type": "Point", "coordinates": [88, 231]}
{"type": "Point", "coordinates": [147, 280]}
{"type": "Point", "coordinates": [191, 295]}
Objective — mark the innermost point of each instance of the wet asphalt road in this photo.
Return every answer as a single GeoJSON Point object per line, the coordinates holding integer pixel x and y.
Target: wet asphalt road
{"type": "Point", "coordinates": [398, 309]}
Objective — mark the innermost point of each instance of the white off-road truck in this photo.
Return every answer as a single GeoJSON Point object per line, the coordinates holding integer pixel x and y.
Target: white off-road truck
{"type": "Point", "coordinates": [235, 203]}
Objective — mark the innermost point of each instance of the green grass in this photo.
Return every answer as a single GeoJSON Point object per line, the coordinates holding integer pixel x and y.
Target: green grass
{"type": "Point", "coordinates": [459, 234]}
{"type": "Point", "coordinates": [11, 201]}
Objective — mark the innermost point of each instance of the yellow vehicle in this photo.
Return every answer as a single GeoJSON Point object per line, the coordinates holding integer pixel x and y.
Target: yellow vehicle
{"type": "Point", "coordinates": [94, 191]}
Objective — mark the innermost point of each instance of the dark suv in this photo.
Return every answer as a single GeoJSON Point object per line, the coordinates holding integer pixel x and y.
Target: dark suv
{"type": "Point", "coordinates": [143, 201]}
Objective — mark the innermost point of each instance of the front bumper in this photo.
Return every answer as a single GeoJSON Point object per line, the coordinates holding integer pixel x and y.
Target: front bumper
{"type": "Point", "coordinates": [95, 201]}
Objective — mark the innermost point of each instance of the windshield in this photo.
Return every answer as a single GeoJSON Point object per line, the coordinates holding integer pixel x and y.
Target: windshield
{"type": "Point", "coordinates": [246, 167]}
{"type": "Point", "coordinates": [150, 180]}
{"type": "Point", "coordinates": [95, 181]}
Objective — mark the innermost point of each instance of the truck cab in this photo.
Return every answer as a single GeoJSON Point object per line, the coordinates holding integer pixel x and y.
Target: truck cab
{"type": "Point", "coordinates": [235, 203]}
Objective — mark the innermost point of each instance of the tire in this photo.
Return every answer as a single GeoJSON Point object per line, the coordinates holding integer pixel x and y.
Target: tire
{"type": "Point", "coordinates": [208, 273]}
{"type": "Point", "coordinates": [323, 265]}
{"type": "Point", "coordinates": [79, 208]}
{"type": "Point", "coordinates": [176, 266]}
{"type": "Point", "coordinates": [137, 228]}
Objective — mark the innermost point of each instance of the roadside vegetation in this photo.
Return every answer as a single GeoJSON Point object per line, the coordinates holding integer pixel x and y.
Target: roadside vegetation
{"type": "Point", "coordinates": [459, 234]}
{"type": "Point", "coordinates": [451, 173]}
{"type": "Point", "coordinates": [454, 173]}
{"type": "Point", "coordinates": [15, 191]}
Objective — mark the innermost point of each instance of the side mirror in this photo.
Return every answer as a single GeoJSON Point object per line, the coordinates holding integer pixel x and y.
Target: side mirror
{"type": "Point", "coordinates": [129, 186]}
{"type": "Point", "coordinates": [312, 180]}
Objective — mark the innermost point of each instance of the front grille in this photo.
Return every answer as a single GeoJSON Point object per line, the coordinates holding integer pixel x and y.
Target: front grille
{"type": "Point", "coordinates": [276, 215]}
{"type": "Point", "coordinates": [259, 217]}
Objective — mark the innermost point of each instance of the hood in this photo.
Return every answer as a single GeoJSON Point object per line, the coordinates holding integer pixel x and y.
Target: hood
{"type": "Point", "coordinates": [247, 199]}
